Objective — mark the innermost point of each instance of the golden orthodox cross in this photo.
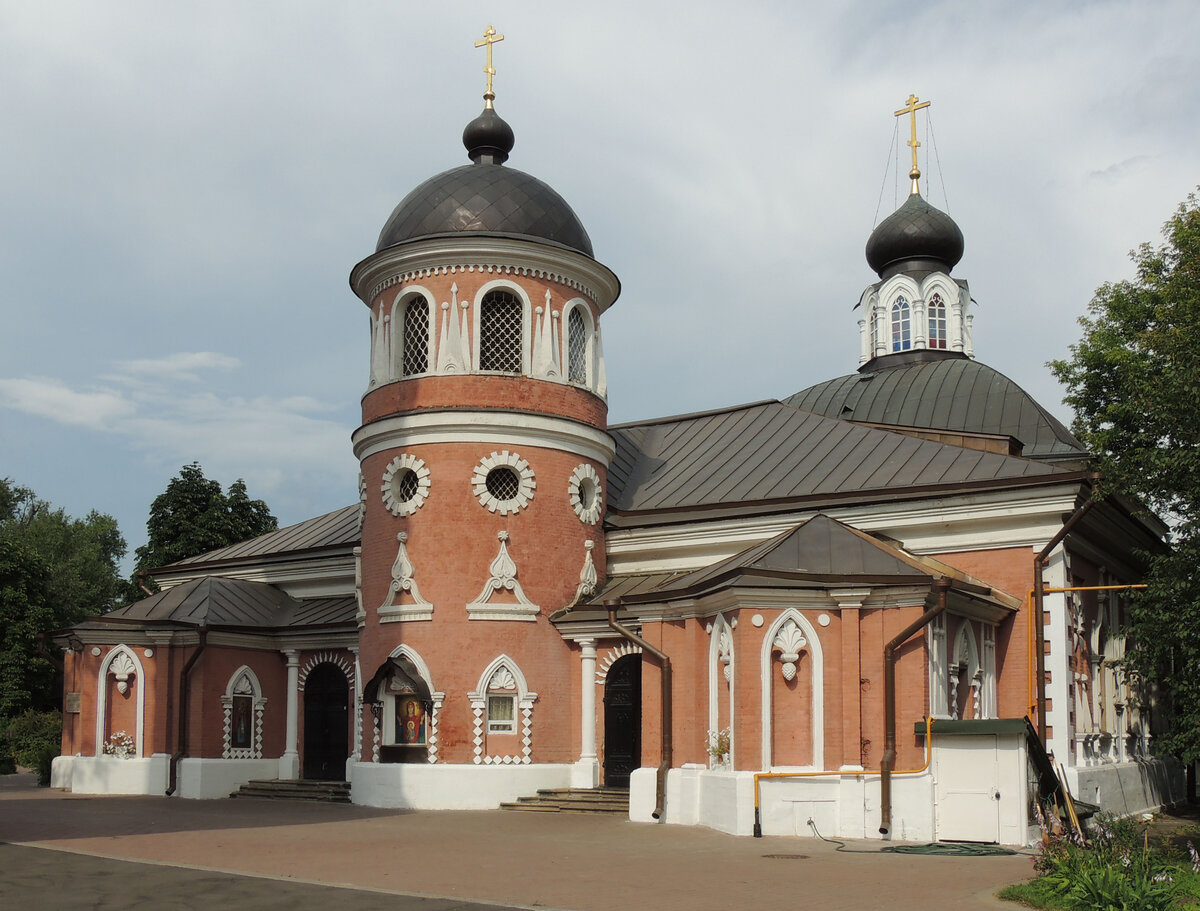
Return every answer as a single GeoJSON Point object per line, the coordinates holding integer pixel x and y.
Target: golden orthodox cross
{"type": "Point", "coordinates": [489, 38]}
{"type": "Point", "coordinates": [911, 108]}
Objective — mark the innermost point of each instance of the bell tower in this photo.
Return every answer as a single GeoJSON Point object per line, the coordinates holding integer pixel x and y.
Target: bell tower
{"type": "Point", "coordinates": [484, 454]}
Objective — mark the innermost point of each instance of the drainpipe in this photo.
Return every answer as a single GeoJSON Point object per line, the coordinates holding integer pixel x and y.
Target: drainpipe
{"type": "Point", "coordinates": [173, 782]}
{"type": "Point", "coordinates": [140, 575]}
{"type": "Point", "coordinates": [940, 586]}
{"type": "Point", "coordinates": [660, 785]}
{"type": "Point", "coordinates": [1037, 619]}
{"type": "Point", "coordinates": [40, 639]}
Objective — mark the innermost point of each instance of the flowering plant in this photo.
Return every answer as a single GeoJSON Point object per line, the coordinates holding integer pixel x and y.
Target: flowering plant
{"type": "Point", "coordinates": [718, 744]}
{"type": "Point", "coordinates": [121, 745]}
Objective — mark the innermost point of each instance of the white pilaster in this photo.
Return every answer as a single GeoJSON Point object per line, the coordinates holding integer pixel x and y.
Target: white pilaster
{"type": "Point", "coordinates": [289, 762]}
{"type": "Point", "coordinates": [586, 772]}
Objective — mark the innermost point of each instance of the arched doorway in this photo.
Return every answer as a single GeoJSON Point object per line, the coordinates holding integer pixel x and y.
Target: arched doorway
{"type": "Point", "coordinates": [326, 723]}
{"type": "Point", "coordinates": [622, 721]}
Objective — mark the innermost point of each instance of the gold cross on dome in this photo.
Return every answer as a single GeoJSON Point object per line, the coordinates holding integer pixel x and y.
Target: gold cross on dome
{"type": "Point", "coordinates": [911, 108]}
{"type": "Point", "coordinates": [489, 38]}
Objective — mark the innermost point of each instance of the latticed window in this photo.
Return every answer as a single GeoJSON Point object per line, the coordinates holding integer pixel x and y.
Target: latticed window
{"type": "Point", "coordinates": [416, 337]}
{"type": "Point", "coordinates": [576, 347]}
{"type": "Point", "coordinates": [901, 325]}
{"type": "Point", "coordinates": [937, 322]}
{"type": "Point", "coordinates": [500, 332]}
{"type": "Point", "coordinates": [503, 483]}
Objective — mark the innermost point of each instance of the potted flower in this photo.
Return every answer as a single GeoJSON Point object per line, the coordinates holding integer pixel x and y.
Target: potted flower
{"type": "Point", "coordinates": [718, 748]}
{"type": "Point", "coordinates": [121, 745]}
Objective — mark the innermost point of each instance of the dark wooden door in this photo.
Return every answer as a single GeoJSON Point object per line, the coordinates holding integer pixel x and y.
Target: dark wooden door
{"type": "Point", "coordinates": [622, 721]}
{"type": "Point", "coordinates": [326, 723]}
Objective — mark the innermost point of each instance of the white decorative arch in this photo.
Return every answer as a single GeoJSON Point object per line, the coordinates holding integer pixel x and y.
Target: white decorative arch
{"type": "Point", "coordinates": [422, 669]}
{"type": "Point", "coordinates": [243, 682]}
{"type": "Point", "coordinates": [721, 676]}
{"type": "Point", "coordinates": [612, 656]}
{"type": "Point", "coordinates": [966, 654]}
{"type": "Point", "coordinates": [589, 330]}
{"type": "Point", "coordinates": [122, 662]}
{"type": "Point", "coordinates": [504, 284]}
{"type": "Point", "coordinates": [400, 303]}
{"type": "Point", "coordinates": [503, 674]}
{"type": "Point", "coordinates": [342, 662]}
{"type": "Point", "coordinates": [811, 644]}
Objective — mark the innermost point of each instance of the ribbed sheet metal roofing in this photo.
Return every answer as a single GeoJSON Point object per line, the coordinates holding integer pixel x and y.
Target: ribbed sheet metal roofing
{"type": "Point", "coordinates": [215, 601]}
{"type": "Point", "coordinates": [952, 393]}
{"type": "Point", "coordinates": [333, 529]}
{"type": "Point", "coordinates": [772, 451]}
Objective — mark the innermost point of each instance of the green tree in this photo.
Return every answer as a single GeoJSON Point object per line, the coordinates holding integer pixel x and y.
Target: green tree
{"type": "Point", "coordinates": [54, 571]}
{"type": "Point", "coordinates": [193, 515]}
{"type": "Point", "coordinates": [1134, 382]}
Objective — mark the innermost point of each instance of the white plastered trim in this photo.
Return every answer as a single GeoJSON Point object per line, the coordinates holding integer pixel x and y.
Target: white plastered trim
{"type": "Point", "coordinates": [503, 284]}
{"type": "Point", "coordinates": [102, 696]}
{"type": "Point", "coordinates": [721, 676]}
{"type": "Point", "coordinates": [525, 700]}
{"type": "Point", "coordinates": [490, 428]}
{"type": "Point", "coordinates": [813, 646]}
{"type": "Point", "coordinates": [400, 303]}
{"type": "Point", "coordinates": [589, 329]}
{"type": "Point", "coordinates": [245, 672]}
{"type": "Point", "coordinates": [589, 515]}
{"type": "Point", "coordinates": [416, 466]}
{"type": "Point", "coordinates": [526, 483]}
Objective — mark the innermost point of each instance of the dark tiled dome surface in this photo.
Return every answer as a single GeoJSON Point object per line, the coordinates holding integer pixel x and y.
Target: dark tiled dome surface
{"type": "Point", "coordinates": [485, 199]}
{"type": "Point", "coordinates": [915, 231]}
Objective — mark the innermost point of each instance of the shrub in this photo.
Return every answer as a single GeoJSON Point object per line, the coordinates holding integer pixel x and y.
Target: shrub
{"type": "Point", "coordinates": [33, 740]}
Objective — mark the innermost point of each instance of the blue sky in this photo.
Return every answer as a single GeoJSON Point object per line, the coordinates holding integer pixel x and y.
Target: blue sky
{"type": "Point", "coordinates": [184, 188]}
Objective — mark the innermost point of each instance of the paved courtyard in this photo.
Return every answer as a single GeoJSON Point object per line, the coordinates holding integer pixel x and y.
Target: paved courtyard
{"type": "Point", "coordinates": [60, 851]}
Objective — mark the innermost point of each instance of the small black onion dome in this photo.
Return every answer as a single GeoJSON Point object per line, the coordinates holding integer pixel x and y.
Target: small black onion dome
{"type": "Point", "coordinates": [486, 198]}
{"type": "Point", "coordinates": [488, 138]}
{"type": "Point", "coordinates": [916, 235]}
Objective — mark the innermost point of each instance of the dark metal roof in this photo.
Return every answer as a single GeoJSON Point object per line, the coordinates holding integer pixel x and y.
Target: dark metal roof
{"type": "Point", "coordinates": [916, 234]}
{"type": "Point", "coordinates": [819, 553]}
{"type": "Point", "coordinates": [217, 602]}
{"type": "Point", "coordinates": [953, 393]}
{"type": "Point", "coordinates": [770, 451]}
{"type": "Point", "coordinates": [489, 199]}
{"type": "Point", "coordinates": [339, 528]}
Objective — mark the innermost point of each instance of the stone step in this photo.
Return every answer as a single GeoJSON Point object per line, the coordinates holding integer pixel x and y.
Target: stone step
{"type": "Point", "coordinates": [568, 800]}
{"type": "Point", "coordinates": [282, 789]}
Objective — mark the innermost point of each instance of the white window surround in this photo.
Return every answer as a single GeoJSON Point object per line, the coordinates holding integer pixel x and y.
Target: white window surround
{"type": "Point", "coordinates": [503, 674]}
{"type": "Point", "coordinates": [579, 305]}
{"type": "Point", "coordinates": [128, 658]}
{"type": "Point", "coordinates": [391, 497]}
{"type": "Point", "coordinates": [526, 322]}
{"type": "Point", "coordinates": [721, 677]}
{"type": "Point", "coordinates": [582, 477]}
{"type": "Point", "coordinates": [243, 682]}
{"type": "Point", "coordinates": [384, 726]}
{"type": "Point", "coordinates": [875, 327]}
{"type": "Point", "coordinates": [526, 484]}
{"type": "Point", "coordinates": [400, 303]}
{"type": "Point", "coordinates": [817, 669]}
{"type": "Point", "coordinates": [966, 670]}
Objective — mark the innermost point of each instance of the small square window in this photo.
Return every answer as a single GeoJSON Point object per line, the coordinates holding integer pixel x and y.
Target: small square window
{"type": "Point", "coordinates": [501, 714]}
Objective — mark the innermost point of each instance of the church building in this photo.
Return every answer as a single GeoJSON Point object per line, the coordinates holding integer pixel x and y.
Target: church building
{"type": "Point", "coordinates": [812, 613]}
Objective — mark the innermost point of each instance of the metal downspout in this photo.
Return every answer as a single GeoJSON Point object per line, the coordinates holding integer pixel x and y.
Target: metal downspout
{"type": "Point", "coordinates": [940, 586]}
{"type": "Point", "coordinates": [1039, 587]}
{"type": "Point", "coordinates": [173, 778]}
{"type": "Point", "coordinates": [660, 784]}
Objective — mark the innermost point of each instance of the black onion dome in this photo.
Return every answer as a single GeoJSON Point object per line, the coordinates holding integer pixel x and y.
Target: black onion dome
{"type": "Point", "coordinates": [916, 235]}
{"type": "Point", "coordinates": [486, 198]}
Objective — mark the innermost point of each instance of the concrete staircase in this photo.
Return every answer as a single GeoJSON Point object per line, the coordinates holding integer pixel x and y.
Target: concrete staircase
{"type": "Point", "coordinates": [612, 801]}
{"type": "Point", "coordinates": [282, 789]}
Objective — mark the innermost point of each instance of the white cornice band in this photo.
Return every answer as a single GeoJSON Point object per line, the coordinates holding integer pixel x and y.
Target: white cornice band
{"type": "Point", "coordinates": [491, 428]}
{"type": "Point", "coordinates": [486, 255]}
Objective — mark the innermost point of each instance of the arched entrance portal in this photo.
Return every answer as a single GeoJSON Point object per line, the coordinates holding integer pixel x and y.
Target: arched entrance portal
{"type": "Point", "coordinates": [622, 721]}
{"type": "Point", "coordinates": [326, 723]}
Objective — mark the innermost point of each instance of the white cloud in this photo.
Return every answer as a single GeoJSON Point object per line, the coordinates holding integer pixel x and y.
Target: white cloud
{"type": "Point", "coordinates": [183, 365]}
{"type": "Point", "coordinates": [101, 409]}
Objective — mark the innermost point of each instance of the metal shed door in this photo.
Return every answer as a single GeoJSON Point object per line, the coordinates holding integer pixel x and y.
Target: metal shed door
{"type": "Point", "coordinates": [966, 789]}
